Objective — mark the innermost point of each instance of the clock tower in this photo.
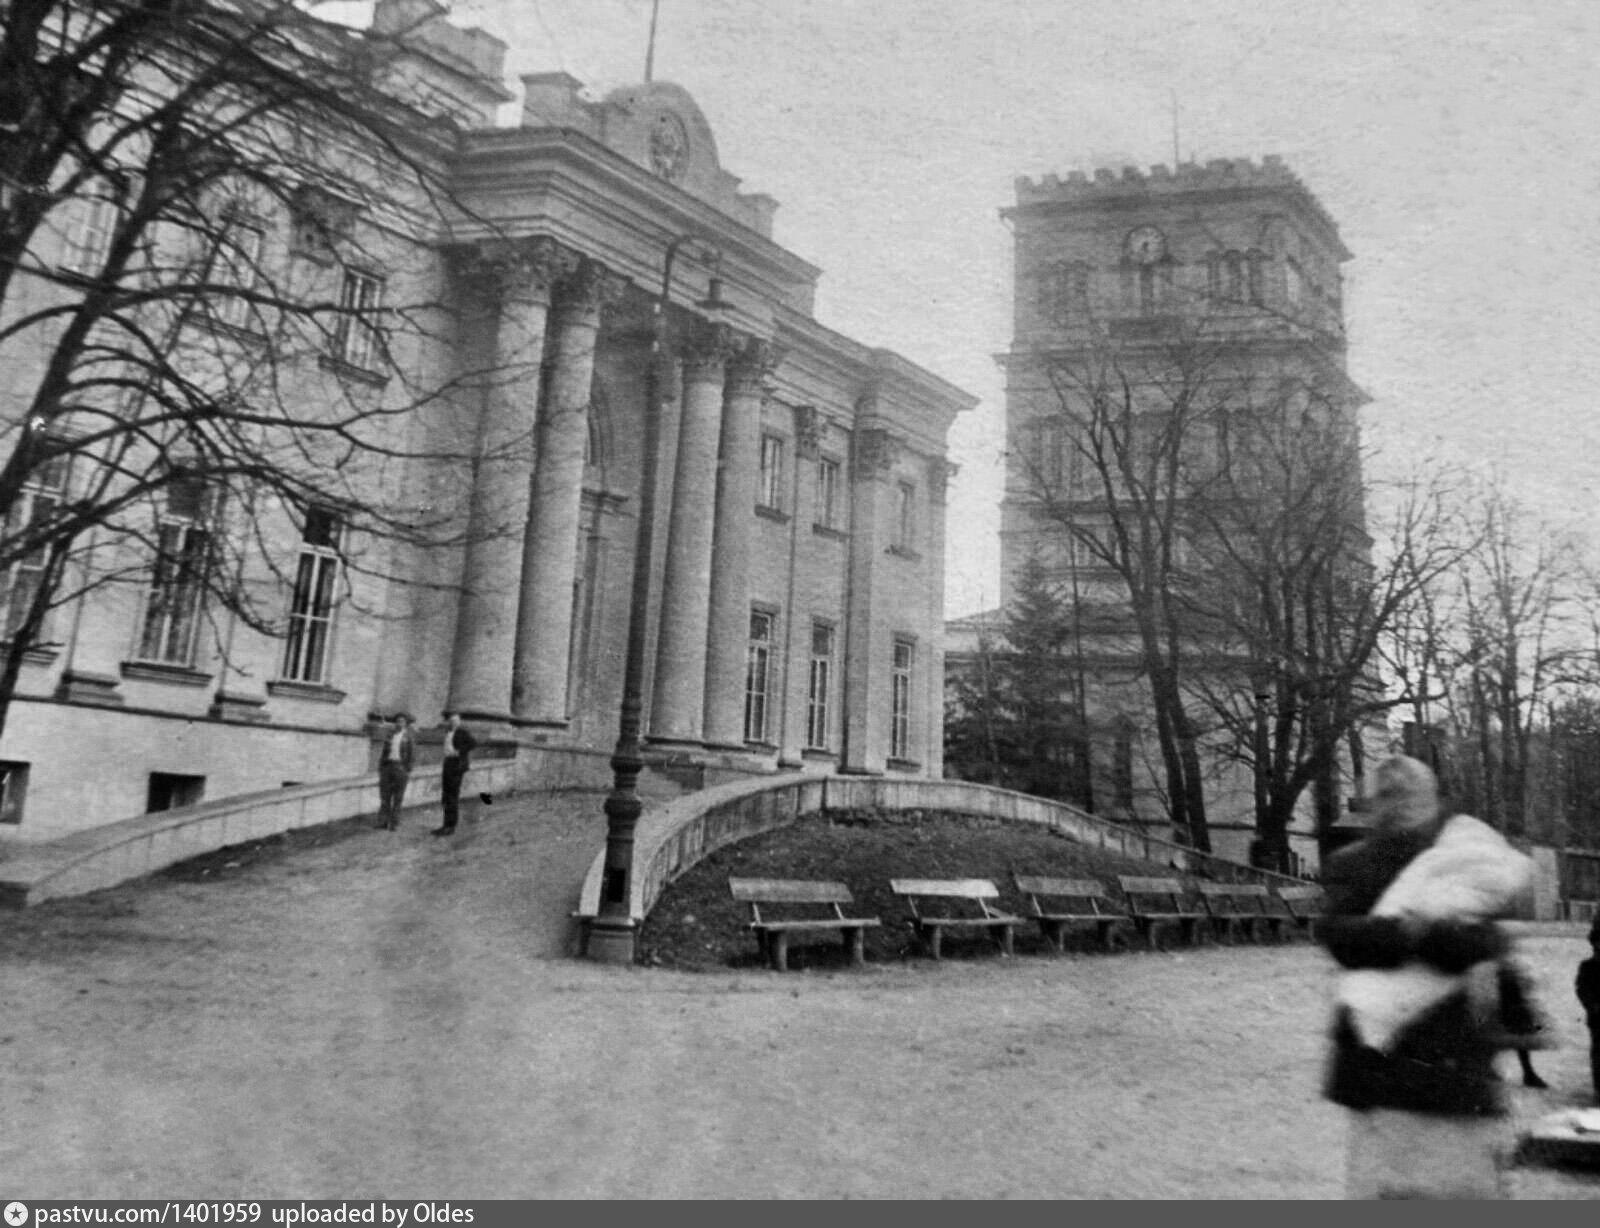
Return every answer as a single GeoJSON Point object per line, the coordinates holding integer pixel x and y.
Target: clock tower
{"type": "Point", "coordinates": [1166, 324]}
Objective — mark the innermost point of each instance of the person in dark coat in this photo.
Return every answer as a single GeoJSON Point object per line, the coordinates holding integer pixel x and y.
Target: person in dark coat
{"type": "Point", "coordinates": [1427, 1105]}
{"type": "Point", "coordinates": [1587, 986]}
{"type": "Point", "coordinates": [458, 746]}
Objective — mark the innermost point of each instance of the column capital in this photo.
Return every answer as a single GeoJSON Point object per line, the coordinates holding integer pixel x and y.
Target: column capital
{"type": "Point", "coordinates": [585, 286]}
{"type": "Point", "coordinates": [705, 349]}
{"type": "Point", "coordinates": [750, 362]}
{"type": "Point", "coordinates": [807, 431]}
{"type": "Point", "coordinates": [873, 452]}
{"type": "Point", "coordinates": [519, 270]}
{"type": "Point", "coordinates": [940, 473]}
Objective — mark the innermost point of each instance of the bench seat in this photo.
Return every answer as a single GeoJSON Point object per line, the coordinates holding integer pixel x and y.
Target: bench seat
{"type": "Point", "coordinates": [1241, 908]}
{"type": "Point", "coordinates": [933, 902]}
{"type": "Point", "coordinates": [1302, 907]}
{"type": "Point", "coordinates": [1063, 904]}
{"type": "Point", "coordinates": [1156, 904]}
{"type": "Point", "coordinates": [783, 899]}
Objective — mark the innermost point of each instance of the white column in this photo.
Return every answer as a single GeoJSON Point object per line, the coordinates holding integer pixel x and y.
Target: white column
{"type": "Point", "coordinates": [550, 545]}
{"type": "Point", "coordinates": [728, 619]}
{"type": "Point", "coordinates": [513, 280]}
{"type": "Point", "coordinates": [677, 710]}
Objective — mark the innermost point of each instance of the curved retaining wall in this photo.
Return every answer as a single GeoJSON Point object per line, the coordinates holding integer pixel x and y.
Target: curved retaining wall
{"type": "Point", "coordinates": [671, 839]}
{"type": "Point", "coordinates": [116, 852]}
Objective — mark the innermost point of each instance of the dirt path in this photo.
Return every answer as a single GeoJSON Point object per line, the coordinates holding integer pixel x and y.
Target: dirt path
{"type": "Point", "coordinates": [392, 1016]}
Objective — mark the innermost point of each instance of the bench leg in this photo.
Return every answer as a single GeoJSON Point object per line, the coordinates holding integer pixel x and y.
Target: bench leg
{"type": "Point", "coordinates": [858, 946]}
{"type": "Point", "coordinates": [935, 933]}
{"type": "Point", "coordinates": [780, 951]}
{"type": "Point", "coordinates": [1005, 939]}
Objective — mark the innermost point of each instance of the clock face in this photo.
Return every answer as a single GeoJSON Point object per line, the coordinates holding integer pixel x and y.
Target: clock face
{"type": "Point", "coordinates": [1147, 245]}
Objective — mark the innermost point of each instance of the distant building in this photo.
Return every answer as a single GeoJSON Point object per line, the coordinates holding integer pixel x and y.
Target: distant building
{"type": "Point", "coordinates": [796, 601]}
{"type": "Point", "coordinates": [1115, 273]}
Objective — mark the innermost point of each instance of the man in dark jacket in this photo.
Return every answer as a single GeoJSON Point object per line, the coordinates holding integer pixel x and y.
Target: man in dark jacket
{"type": "Point", "coordinates": [1428, 1108]}
{"type": "Point", "coordinates": [1587, 985]}
{"type": "Point", "coordinates": [458, 745]}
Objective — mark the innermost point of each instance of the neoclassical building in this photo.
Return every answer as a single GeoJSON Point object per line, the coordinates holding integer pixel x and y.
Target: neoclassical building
{"type": "Point", "coordinates": [609, 287]}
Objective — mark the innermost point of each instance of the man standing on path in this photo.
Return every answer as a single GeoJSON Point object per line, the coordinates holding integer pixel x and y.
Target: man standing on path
{"type": "Point", "coordinates": [458, 744]}
{"type": "Point", "coordinates": [394, 770]}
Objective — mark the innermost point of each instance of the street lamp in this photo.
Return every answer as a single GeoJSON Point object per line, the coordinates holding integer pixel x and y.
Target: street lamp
{"type": "Point", "coordinates": [612, 932]}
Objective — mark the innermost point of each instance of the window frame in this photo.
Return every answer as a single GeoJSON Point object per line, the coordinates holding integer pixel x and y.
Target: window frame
{"type": "Point", "coordinates": [313, 600]}
{"type": "Point", "coordinates": [769, 490]}
{"type": "Point", "coordinates": [905, 518]}
{"type": "Point", "coordinates": [93, 232]}
{"type": "Point", "coordinates": [240, 277]}
{"type": "Point", "coordinates": [827, 492]}
{"type": "Point", "coordinates": [170, 615]}
{"type": "Point", "coordinates": [35, 493]}
{"type": "Point", "coordinates": [819, 686]}
{"type": "Point", "coordinates": [356, 341]}
{"type": "Point", "coordinates": [900, 681]}
{"type": "Point", "coordinates": [760, 654]}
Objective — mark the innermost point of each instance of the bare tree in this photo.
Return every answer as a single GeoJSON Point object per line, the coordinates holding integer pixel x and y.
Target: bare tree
{"type": "Point", "coordinates": [1298, 588]}
{"type": "Point", "coordinates": [215, 327]}
{"type": "Point", "coordinates": [1123, 419]}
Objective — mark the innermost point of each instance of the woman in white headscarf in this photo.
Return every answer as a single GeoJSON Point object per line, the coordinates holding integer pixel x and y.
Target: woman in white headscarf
{"type": "Point", "coordinates": [1411, 921]}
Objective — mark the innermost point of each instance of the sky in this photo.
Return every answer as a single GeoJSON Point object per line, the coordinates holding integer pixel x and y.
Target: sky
{"type": "Point", "coordinates": [1456, 143]}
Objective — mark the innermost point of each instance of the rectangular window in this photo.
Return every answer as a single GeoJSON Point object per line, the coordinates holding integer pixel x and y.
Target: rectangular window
{"type": "Point", "coordinates": [828, 493]}
{"type": "Point", "coordinates": [900, 700]}
{"type": "Point", "coordinates": [758, 678]}
{"type": "Point", "coordinates": [771, 491]}
{"type": "Point", "coordinates": [819, 686]}
{"type": "Point", "coordinates": [169, 791]}
{"type": "Point", "coordinates": [238, 268]}
{"type": "Point", "coordinates": [355, 333]}
{"type": "Point", "coordinates": [311, 605]}
{"type": "Point", "coordinates": [172, 604]}
{"type": "Point", "coordinates": [13, 792]}
{"type": "Point", "coordinates": [90, 243]}
{"type": "Point", "coordinates": [41, 496]}
{"type": "Point", "coordinates": [905, 521]}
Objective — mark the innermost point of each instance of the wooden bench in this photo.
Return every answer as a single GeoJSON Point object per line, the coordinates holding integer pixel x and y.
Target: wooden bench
{"type": "Point", "coordinates": [1157, 902]}
{"type": "Point", "coordinates": [1060, 904]}
{"type": "Point", "coordinates": [792, 907]}
{"type": "Point", "coordinates": [1302, 906]}
{"type": "Point", "coordinates": [938, 904]}
{"type": "Point", "coordinates": [1246, 908]}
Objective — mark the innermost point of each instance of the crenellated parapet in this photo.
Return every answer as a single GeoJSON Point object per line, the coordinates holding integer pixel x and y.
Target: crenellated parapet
{"type": "Point", "coordinates": [1131, 184]}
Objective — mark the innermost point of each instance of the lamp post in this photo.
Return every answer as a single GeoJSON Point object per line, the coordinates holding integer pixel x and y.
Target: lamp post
{"type": "Point", "coordinates": [612, 932]}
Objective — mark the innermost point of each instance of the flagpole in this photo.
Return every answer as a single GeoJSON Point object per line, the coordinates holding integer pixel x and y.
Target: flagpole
{"type": "Point", "coordinates": [650, 51]}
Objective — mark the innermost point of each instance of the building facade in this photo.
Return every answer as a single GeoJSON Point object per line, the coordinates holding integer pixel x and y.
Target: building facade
{"type": "Point", "coordinates": [1167, 326]}
{"type": "Point", "coordinates": [600, 281]}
